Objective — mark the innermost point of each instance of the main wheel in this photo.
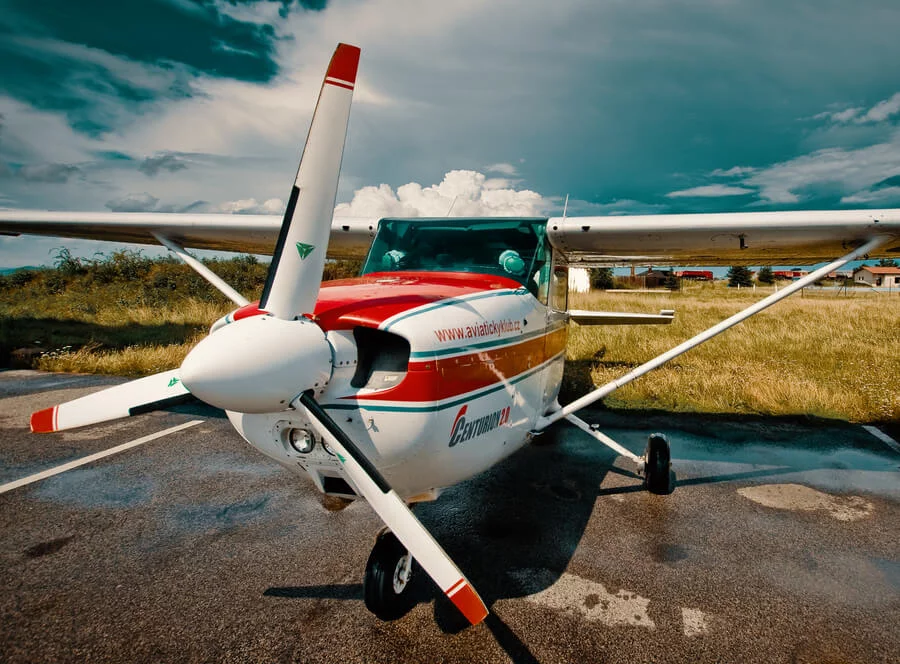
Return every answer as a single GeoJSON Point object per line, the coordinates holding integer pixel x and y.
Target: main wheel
{"type": "Point", "coordinates": [387, 581]}
{"type": "Point", "coordinates": [658, 465]}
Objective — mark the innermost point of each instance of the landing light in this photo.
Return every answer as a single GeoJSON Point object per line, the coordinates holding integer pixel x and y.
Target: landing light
{"type": "Point", "coordinates": [301, 440]}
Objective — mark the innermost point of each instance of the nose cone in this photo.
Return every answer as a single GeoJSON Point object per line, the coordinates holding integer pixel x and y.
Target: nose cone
{"type": "Point", "coordinates": [258, 364]}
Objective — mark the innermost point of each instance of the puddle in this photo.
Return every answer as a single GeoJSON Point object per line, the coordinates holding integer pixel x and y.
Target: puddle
{"type": "Point", "coordinates": [588, 598]}
{"type": "Point", "coordinates": [796, 497]}
{"type": "Point", "coordinates": [96, 487]}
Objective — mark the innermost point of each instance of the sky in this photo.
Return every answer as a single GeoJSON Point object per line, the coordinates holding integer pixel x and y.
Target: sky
{"type": "Point", "coordinates": [467, 107]}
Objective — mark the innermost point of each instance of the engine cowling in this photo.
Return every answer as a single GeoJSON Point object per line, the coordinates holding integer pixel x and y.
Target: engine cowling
{"type": "Point", "coordinates": [258, 364]}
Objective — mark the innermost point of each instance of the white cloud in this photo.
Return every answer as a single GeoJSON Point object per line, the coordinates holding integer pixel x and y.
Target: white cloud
{"type": "Point", "coordinates": [849, 171]}
{"type": "Point", "coordinates": [881, 196]}
{"type": "Point", "coordinates": [502, 168]}
{"type": "Point", "coordinates": [142, 202]}
{"type": "Point", "coordinates": [733, 172]}
{"type": "Point", "coordinates": [710, 191]}
{"type": "Point", "coordinates": [460, 193]}
{"type": "Point", "coordinates": [882, 110]}
{"type": "Point", "coordinates": [253, 206]}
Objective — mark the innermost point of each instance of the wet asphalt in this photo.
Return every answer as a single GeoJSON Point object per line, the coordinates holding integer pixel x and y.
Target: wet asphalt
{"type": "Point", "coordinates": [781, 543]}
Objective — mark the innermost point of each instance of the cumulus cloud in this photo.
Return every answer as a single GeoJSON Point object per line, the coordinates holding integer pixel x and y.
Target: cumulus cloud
{"type": "Point", "coordinates": [168, 161]}
{"type": "Point", "coordinates": [710, 191]}
{"type": "Point", "coordinates": [50, 173]}
{"type": "Point", "coordinates": [460, 194]}
{"type": "Point", "coordinates": [253, 206]}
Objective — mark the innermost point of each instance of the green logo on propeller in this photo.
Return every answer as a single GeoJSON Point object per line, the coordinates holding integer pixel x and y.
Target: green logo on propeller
{"type": "Point", "coordinates": [304, 250]}
{"type": "Point", "coordinates": [173, 382]}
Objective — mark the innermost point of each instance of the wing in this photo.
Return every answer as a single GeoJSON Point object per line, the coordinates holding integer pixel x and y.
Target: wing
{"type": "Point", "coordinates": [742, 238]}
{"type": "Point", "coordinates": [255, 234]}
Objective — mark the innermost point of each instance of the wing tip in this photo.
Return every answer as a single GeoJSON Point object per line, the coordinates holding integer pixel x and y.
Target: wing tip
{"type": "Point", "coordinates": [44, 421]}
{"type": "Point", "coordinates": [468, 602]}
{"type": "Point", "coordinates": [344, 63]}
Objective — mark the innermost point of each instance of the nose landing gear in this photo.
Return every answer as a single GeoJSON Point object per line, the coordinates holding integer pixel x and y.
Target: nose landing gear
{"type": "Point", "coordinates": [386, 584]}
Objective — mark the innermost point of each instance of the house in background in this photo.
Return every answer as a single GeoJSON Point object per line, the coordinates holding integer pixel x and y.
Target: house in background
{"type": "Point", "coordinates": [789, 275]}
{"type": "Point", "coordinates": [877, 276]}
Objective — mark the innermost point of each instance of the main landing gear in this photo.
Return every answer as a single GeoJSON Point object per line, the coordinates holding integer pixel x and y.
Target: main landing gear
{"type": "Point", "coordinates": [658, 465]}
{"type": "Point", "coordinates": [386, 585]}
{"type": "Point", "coordinates": [655, 465]}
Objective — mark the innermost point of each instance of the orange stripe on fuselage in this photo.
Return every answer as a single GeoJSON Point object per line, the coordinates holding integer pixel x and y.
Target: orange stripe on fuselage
{"type": "Point", "coordinates": [435, 380]}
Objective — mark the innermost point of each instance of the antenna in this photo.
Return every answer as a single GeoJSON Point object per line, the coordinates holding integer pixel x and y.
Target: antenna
{"type": "Point", "coordinates": [565, 206]}
{"type": "Point", "coordinates": [451, 206]}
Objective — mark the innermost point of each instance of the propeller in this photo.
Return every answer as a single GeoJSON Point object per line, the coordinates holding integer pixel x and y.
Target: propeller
{"type": "Point", "coordinates": [278, 358]}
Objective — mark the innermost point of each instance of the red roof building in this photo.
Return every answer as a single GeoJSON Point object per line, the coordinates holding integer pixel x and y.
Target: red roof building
{"type": "Point", "coordinates": [877, 276]}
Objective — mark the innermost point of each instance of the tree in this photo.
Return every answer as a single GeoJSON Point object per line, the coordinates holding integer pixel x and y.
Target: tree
{"type": "Point", "coordinates": [887, 262]}
{"type": "Point", "coordinates": [739, 275]}
{"type": "Point", "coordinates": [602, 278]}
{"type": "Point", "coordinates": [765, 275]}
{"type": "Point", "coordinates": [671, 281]}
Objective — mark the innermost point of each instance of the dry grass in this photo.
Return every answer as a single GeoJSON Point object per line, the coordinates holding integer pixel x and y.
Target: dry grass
{"type": "Point", "coordinates": [820, 354]}
{"type": "Point", "coordinates": [817, 354]}
{"type": "Point", "coordinates": [129, 361]}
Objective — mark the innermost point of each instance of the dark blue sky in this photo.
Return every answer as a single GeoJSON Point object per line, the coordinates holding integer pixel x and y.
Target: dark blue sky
{"type": "Point", "coordinates": [644, 106]}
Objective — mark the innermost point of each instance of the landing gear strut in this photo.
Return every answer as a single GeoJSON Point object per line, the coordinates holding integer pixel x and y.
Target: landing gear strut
{"type": "Point", "coordinates": [658, 465]}
{"type": "Point", "coordinates": [386, 585]}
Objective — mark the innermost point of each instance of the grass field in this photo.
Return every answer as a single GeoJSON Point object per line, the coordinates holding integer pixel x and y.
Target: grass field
{"type": "Point", "coordinates": [816, 353]}
{"type": "Point", "coordinates": [819, 353]}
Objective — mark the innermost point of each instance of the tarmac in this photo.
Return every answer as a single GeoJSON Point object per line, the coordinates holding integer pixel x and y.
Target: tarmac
{"type": "Point", "coordinates": [780, 543]}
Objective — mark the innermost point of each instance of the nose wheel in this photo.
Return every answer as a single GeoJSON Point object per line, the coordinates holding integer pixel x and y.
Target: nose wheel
{"type": "Point", "coordinates": [658, 465]}
{"type": "Point", "coordinates": [386, 585]}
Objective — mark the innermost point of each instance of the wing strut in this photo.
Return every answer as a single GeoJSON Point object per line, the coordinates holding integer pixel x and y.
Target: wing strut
{"type": "Point", "coordinates": [659, 360]}
{"type": "Point", "coordinates": [202, 270]}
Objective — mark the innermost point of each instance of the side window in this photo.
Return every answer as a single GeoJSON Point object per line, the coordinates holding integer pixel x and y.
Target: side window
{"type": "Point", "coordinates": [559, 288]}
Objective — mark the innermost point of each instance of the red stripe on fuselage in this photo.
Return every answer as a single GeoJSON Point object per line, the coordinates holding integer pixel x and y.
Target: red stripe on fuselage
{"type": "Point", "coordinates": [436, 380]}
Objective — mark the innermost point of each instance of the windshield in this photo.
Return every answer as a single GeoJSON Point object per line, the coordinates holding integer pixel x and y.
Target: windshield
{"type": "Point", "coordinates": [513, 248]}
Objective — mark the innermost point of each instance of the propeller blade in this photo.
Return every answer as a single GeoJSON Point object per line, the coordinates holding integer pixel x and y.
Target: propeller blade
{"type": "Point", "coordinates": [292, 285]}
{"type": "Point", "coordinates": [133, 398]}
{"type": "Point", "coordinates": [397, 516]}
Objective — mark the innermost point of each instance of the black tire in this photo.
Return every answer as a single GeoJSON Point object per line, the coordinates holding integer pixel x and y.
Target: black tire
{"type": "Point", "coordinates": [382, 599]}
{"type": "Point", "coordinates": [658, 465]}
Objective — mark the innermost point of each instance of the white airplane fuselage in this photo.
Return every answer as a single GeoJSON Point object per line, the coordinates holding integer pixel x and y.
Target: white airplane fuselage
{"type": "Point", "coordinates": [436, 376]}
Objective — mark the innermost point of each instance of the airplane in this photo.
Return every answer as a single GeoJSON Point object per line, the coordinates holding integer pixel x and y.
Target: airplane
{"type": "Point", "coordinates": [443, 357]}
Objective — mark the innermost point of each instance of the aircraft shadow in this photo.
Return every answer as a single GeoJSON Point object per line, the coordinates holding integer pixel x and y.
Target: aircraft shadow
{"type": "Point", "coordinates": [529, 513]}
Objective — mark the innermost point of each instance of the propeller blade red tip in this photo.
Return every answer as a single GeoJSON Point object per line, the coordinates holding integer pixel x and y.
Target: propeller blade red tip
{"type": "Point", "coordinates": [468, 602]}
{"type": "Point", "coordinates": [43, 421]}
{"type": "Point", "coordinates": [344, 63]}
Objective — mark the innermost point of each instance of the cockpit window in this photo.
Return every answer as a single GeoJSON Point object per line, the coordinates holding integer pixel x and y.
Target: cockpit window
{"type": "Point", "coordinates": [513, 248]}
